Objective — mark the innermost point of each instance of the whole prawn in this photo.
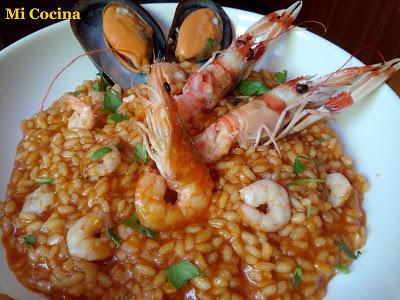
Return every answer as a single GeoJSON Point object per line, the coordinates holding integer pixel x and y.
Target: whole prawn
{"type": "Point", "coordinates": [206, 87]}
{"type": "Point", "coordinates": [180, 167]}
{"type": "Point", "coordinates": [291, 107]}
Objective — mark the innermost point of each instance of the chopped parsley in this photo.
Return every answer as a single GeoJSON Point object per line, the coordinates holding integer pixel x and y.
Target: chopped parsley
{"type": "Point", "coordinates": [309, 211]}
{"type": "Point", "coordinates": [113, 236]}
{"type": "Point", "coordinates": [133, 222]}
{"type": "Point", "coordinates": [140, 153]}
{"type": "Point", "coordinates": [211, 44]}
{"type": "Point", "coordinates": [111, 100]}
{"type": "Point", "coordinates": [102, 84]}
{"type": "Point", "coordinates": [30, 239]}
{"type": "Point", "coordinates": [296, 277]}
{"type": "Point", "coordinates": [251, 87]}
{"type": "Point", "coordinates": [342, 268]}
{"type": "Point", "coordinates": [117, 117]}
{"type": "Point", "coordinates": [281, 76]}
{"type": "Point", "coordinates": [178, 274]}
{"type": "Point", "coordinates": [43, 180]}
{"type": "Point", "coordinates": [346, 250]}
{"type": "Point", "coordinates": [305, 180]}
{"type": "Point", "coordinates": [298, 167]}
{"type": "Point", "coordinates": [99, 153]}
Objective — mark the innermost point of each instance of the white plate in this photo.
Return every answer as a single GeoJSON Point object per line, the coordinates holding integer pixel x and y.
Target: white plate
{"type": "Point", "coordinates": [369, 132]}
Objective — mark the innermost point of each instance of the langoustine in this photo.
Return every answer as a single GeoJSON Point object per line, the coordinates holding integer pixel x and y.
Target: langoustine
{"type": "Point", "coordinates": [206, 87]}
{"type": "Point", "coordinates": [291, 107]}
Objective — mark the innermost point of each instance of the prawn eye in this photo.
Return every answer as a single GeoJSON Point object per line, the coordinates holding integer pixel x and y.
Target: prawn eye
{"type": "Point", "coordinates": [301, 88]}
{"type": "Point", "coordinates": [167, 87]}
{"type": "Point", "coordinates": [240, 43]}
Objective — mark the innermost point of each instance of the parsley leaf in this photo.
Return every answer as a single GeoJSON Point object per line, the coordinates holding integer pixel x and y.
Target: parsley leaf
{"type": "Point", "coordinates": [30, 239]}
{"type": "Point", "coordinates": [342, 268]}
{"type": "Point", "coordinates": [117, 117]}
{"type": "Point", "coordinates": [251, 87]}
{"type": "Point", "coordinates": [113, 236]}
{"type": "Point", "coordinates": [140, 153]}
{"type": "Point", "coordinates": [100, 85]}
{"type": "Point", "coordinates": [76, 93]}
{"type": "Point", "coordinates": [298, 167]}
{"type": "Point", "coordinates": [346, 250]}
{"type": "Point", "coordinates": [111, 100]}
{"type": "Point", "coordinates": [43, 180]}
{"type": "Point", "coordinates": [178, 274]}
{"type": "Point", "coordinates": [133, 222]}
{"type": "Point", "coordinates": [305, 180]}
{"type": "Point", "coordinates": [99, 153]}
{"type": "Point", "coordinates": [296, 277]}
{"type": "Point", "coordinates": [148, 232]}
{"type": "Point", "coordinates": [281, 76]}
{"type": "Point", "coordinates": [309, 211]}
{"type": "Point", "coordinates": [211, 44]}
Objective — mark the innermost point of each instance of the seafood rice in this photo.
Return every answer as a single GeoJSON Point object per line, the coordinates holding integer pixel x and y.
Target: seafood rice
{"type": "Point", "coordinates": [211, 182]}
{"type": "Point", "coordinates": [239, 261]}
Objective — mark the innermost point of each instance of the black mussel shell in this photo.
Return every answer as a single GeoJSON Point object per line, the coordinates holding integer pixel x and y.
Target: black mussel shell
{"type": "Point", "coordinates": [89, 32]}
{"type": "Point", "coordinates": [185, 8]}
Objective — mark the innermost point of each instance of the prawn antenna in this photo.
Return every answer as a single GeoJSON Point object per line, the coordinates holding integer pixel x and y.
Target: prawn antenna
{"type": "Point", "coordinates": [314, 22]}
{"type": "Point", "coordinates": [89, 53]}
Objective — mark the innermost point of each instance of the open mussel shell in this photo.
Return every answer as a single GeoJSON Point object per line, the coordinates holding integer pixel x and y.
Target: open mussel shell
{"type": "Point", "coordinates": [108, 44]}
{"type": "Point", "coordinates": [185, 9]}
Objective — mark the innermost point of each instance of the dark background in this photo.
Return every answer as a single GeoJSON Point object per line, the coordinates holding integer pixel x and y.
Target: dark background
{"type": "Point", "coordinates": [351, 24]}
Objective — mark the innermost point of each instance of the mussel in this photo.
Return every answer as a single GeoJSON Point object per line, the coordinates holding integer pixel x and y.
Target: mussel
{"type": "Point", "coordinates": [199, 28]}
{"type": "Point", "coordinates": [128, 35]}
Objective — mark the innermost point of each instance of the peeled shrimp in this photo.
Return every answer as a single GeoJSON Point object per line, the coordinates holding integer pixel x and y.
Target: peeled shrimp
{"type": "Point", "coordinates": [82, 117]}
{"type": "Point", "coordinates": [105, 165]}
{"type": "Point", "coordinates": [340, 188]}
{"type": "Point", "coordinates": [206, 87]}
{"type": "Point", "coordinates": [83, 243]}
{"type": "Point", "coordinates": [39, 200]}
{"type": "Point", "coordinates": [290, 107]}
{"type": "Point", "coordinates": [265, 191]}
{"type": "Point", "coordinates": [178, 164]}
